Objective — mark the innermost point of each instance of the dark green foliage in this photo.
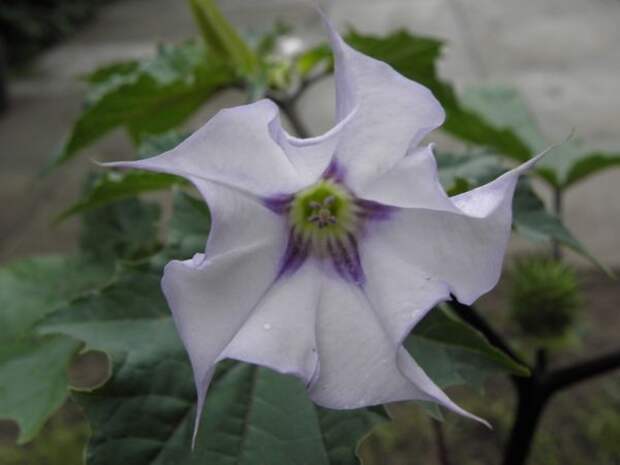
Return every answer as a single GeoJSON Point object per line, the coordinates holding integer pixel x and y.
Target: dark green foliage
{"type": "Point", "coordinates": [544, 297]}
{"type": "Point", "coordinates": [114, 186]}
{"type": "Point", "coordinates": [32, 288]}
{"type": "Point", "coordinates": [534, 222]}
{"type": "Point", "coordinates": [188, 227]}
{"type": "Point", "coordinates": [222, 38]}
{"type": "Point", "coordinates": [32, 368]}
{"type": "Point", "coordinates": [566, 165]}
{"type": "Point", "coordinates": [452, 353]}
{"type": "Point", "coordinates": [33, 371]}
{"type": "Point", "coordinates": [124, 229]}
{"type": "Point", "coordinates": [156, 144]}
{"type": "Point", "coordinates": [149, 97]}
{"type": "Point", "coordinates": [318, 57]}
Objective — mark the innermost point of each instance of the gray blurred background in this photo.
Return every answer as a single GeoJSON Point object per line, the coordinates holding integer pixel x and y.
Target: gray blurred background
{"type": "Point", "coordinates": [563, 55]}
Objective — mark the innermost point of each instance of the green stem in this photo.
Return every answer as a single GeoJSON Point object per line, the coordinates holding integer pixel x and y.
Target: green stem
{"type": "Point", "coordinates": [288, 104]}
{"type": "Point", "coordinates": [440, 440]}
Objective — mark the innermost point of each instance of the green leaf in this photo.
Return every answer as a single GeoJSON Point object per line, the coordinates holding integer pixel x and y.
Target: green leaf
{"type": "Point", "coordinates": [33, 288]}
{"type": "Point", "coordinates": [416, 57]}
{"type": "Point", "coordinates": [189, 226]}
{"type": "Point", "coordinates": [534, 222]}
{"type": "Point", "coordinates": [252, 416]}
{"type": "Point", "coordinates": [566, 164]}
{"type": "Point", "coordinates": [589, 164]}
{"type": "Point", "coordinates": [111, 71]}
{"type": "Point", "coordinates": [453, 353]}
{"type": "Point", "coordinates": [343, 431]}
{"type": "Point", "coordinates": [113, 186]}
{"type": "Point", "coordinates": [145, 413]}
{"type": "Point", "coordinates": [318, 57]}
{"type": "Point", "coordinates": [505, 108]}
{"type": "Point", "coordinates": [156, 144]}
{"type": "Point", "coordinates": [222, 38]}
{"type": "Point", "coordinates": [34, 380]}
{"type": "Point", "coordinates": [33, 370]}
{"type": "Point", "coordinates": [460, 173]}
{"type": "Point", "coordinates": [126, 229]}
{"type": "Point", "coordinates": [149, 98]}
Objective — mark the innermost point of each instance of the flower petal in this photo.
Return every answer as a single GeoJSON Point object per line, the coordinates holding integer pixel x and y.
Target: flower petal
{"type": "Point", "coordinates": [212, 296]}
{"type": "Point", "coordinates": [413, 182]}
{"type": "Point", "coordinates": [401, 293]}
{"type": "Point", "coordinates": [393, 113]}
{"type": "Point", "coordinates": [280, 333]}
{"type": "Point", "coordinates": [311, 157]}
{"type": "Point", "coordinates": [235, 148]}
{"type": "Point", "coordinates": [360, 363]}
{"type": "Point", "coordinates": [465, 249]}
{"type": "Point", "coordinates": [239, 221]}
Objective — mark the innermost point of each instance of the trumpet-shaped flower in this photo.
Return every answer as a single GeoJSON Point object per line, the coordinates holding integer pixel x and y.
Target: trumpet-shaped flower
{"type": "Point", "coordinates": [325, 252]}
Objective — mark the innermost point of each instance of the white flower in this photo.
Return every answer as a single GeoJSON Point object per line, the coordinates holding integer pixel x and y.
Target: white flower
{"type": "Point", "coordinates": [325, 252]}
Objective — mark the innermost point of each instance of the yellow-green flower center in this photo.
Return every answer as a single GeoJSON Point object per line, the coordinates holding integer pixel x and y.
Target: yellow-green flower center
{"type": "Point", "coordinates": [323, 212]}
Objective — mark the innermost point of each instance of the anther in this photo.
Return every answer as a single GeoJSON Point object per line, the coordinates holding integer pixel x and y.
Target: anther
{"type": "Point", "coordinates": [322, 218]}
{"type": "Point", "coordinates": [329, 200]}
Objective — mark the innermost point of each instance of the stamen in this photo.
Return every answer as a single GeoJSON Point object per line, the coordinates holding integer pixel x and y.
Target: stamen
{"type": "Point", "coordinates": [325, 221]}
{"type": "Point", "coordinates": [322, 218]}
{"type": "Point", "coordinates": [329, 200]}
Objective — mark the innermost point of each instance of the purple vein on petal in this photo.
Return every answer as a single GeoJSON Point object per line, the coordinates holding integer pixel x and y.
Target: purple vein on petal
{"type": "Point", "coordinates": [278, 203]}
{"type": "Point", "coordinates": [357, 270]}
{"type": "Point", "coordinates": [334, 172]}
{"type": "Point", "coordinates": [295, 254]}
{"type": "Point", "coordinates": [375, 211]}
{"type": "Point", "coordinates": [346, 260]}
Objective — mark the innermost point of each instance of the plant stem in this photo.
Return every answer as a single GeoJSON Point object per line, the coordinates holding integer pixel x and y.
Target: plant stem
{"type": "Point", "coordinates": [440, 440]}
{"type": "Point", "coordinates": [532, 398]}
{"type": "Point", "coordinates": [562, 378]}
{"type": "Point", "coordinates": [534, 393]}
{"type": "Point", "coordinates": [530, 408]}
{"type": "Point", "coordinates": [288, 104]}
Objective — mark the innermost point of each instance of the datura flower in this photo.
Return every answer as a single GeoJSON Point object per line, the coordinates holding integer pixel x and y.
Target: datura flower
{"type": "Point", "coordinates": [325, 252]}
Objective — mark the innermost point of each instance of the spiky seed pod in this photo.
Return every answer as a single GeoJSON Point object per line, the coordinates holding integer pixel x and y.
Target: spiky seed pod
{"type": "Point", "coordinates": [544, 298]}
